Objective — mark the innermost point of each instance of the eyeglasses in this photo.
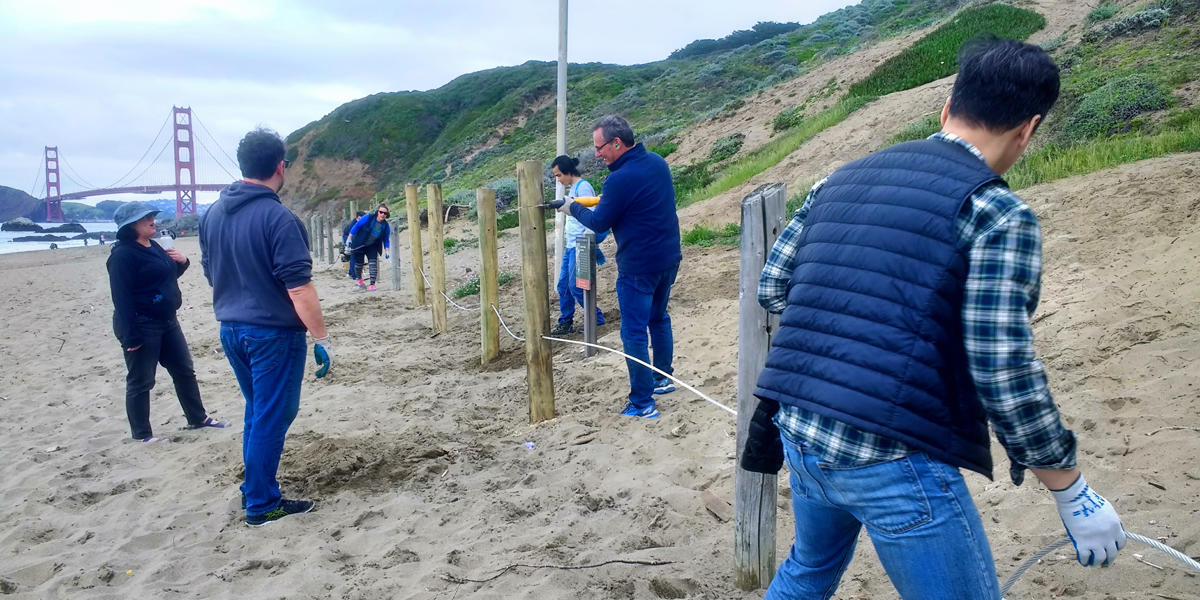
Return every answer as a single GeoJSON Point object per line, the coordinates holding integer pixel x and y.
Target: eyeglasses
{"type": "Point", "coordinates": [384, 213]}
{"type": "Point", "coordinates": [286, 163]}
{"type": "Point", "coordinates": [601, 146]}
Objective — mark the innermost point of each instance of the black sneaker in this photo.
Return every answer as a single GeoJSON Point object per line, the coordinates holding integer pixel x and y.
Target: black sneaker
{"type": "Point", "coordinates": [563, 329]}
{"type": "Point", "coordinates": [286, 507]}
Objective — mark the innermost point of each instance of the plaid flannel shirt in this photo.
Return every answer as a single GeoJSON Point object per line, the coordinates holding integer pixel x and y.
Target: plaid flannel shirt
{"type": "Point", "coordinates": [1001, 294]}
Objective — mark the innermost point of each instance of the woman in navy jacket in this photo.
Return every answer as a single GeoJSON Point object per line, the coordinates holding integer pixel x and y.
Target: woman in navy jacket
{"type": "Point", "coordinates": [144, 279]}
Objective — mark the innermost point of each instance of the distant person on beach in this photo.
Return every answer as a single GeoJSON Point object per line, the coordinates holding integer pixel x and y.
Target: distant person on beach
{"type": "Point", "coordinates": [566, 171]}
{"type": "Point", "coordinates": [639, 208]}
{"type": "Point", "coordinates": [144, 280]}
{"type": "Point", "coordinates": [369, 237]}
{"type": "Point", "coordinates": [345, 234]}
{"type": "Point", "coordinates": [255, 254]}
{"type": "Point", "coordinates": [906, 283]}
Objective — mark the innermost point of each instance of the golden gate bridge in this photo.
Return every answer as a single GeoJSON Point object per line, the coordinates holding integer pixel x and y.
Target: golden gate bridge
{"type": "Point", "coordinates": [183, 142]}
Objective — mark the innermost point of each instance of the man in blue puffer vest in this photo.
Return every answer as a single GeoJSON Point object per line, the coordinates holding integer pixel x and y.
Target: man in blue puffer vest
{"type": "Point", "coordinates": [907, 280]}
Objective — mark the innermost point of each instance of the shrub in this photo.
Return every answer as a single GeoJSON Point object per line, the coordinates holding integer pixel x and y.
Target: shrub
{"type": "Point", "coordinates": [507, 220]}
{"type": "Point", "coordinates": [664, 149]}
{"type": "Point", "coordinates": [1110, 108]}
{"type": "Point", "coordinates": [726, 147]}
{"type": "Point", "coordinates": [1152, 18]}
{"type": "Point", "coordinates": [704, 236]}
{"type": "Point", "coordinates": [789, 118]}
{"type": "Point", "coordinates": [1103, 12]}
{"type": "Point", "coordinates": [506, 191]}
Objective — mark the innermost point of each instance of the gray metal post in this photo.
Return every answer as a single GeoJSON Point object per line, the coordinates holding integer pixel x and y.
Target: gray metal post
{"type": "Point", "coordinates": [585, 279]}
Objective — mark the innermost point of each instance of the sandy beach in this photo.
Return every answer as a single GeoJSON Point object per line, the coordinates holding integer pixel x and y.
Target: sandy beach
{"type": "Point", "coordinates": [421, 463]}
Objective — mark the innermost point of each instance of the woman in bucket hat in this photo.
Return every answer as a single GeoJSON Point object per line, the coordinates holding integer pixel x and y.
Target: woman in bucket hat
{"type": "Point", "coordinates": [144, 279]}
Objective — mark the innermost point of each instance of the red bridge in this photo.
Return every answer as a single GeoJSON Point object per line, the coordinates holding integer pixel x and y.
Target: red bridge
{"type": "Point", "coordinates": [185, 186]}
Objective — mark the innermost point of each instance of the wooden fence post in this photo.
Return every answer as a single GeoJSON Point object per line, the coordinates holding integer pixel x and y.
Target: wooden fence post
{"type": "Point", "coordinates": [489, 275]}
{"type": "Point", "coordinates": [312, 234]}
{"type": "Point", "coordinates": [395, 223]}
{"type": "Point", "coordinates": [331, 235]}
{"type": "Point", "coordinates": [414, 232]}
{"type": "Point", "coordinates": [437, 254]}
{"type": "Point", "coordinates": [321, 236]}
{"type": "Point", "coordinates": [754, 493]}
{"type": "Point", "coordinates": [535, 281]}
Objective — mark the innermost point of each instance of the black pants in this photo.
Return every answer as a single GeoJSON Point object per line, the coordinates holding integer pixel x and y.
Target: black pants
{"type": "Point", "coordinates": [164, 345]}
{"type": "Point", "coordinates": [370, 253]}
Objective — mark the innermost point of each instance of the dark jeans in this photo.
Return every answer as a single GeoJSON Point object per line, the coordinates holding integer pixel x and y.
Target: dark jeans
{"type": "Point", "coordinates": [643, 298]}
{"type": "Point", "coordinates": [164, 344]}
{"type": "Point", "coordinates": [568, 293]}
{"type": "Point", "coordinates": [269, 364]}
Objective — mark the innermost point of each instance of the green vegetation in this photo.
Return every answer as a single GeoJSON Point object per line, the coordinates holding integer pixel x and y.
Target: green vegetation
{"type": "Point", "coordinates": [704, 236]}
{"type": "Point", "coordinates": [507, 220]}
{"type": "Point", "coordinates": [1055, 162]}
{"type": "Point", "coordinates": [1112, 107]}
{"type": "Point", "coordinates": [1103, 12]}
{"type": "Point", "coordinates": [936, 55]}
{"type": "Point", "coordinates": [795, 115]}
{"type": "Point", "coordinates": [471, 287]}
{"type": "Point", "coordinates": [919, 129]}
{"type": "Point", "coordinates": [726, 147]}
{"type": "Point", "coordinates": [451, 245]}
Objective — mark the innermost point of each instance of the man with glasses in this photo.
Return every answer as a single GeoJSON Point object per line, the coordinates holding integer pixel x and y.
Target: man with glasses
{"type": "Point", "coordinates": [639, 206]}
{"type": "Point", "coordinates": [374, 235]}
{"type": "Point", "coordinates": [255, 254]}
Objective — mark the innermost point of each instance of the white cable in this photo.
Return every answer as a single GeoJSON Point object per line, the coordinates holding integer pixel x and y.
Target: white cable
{"type": "Point", "coordinates": [514, 336]}
{"type": "Point", "coordinates": [448, 299]}
{"type": "Point", "coordinates": [1052, 546]}
{"type": "Point", "coordinates": [651, 367]}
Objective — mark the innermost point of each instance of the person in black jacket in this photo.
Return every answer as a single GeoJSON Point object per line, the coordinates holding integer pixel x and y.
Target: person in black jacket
{"type": "Point", "coordinates": [144, 280]}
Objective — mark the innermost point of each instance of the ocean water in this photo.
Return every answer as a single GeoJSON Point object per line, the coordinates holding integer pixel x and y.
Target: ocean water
{"type": "Point", "coordinates": [7, 245]}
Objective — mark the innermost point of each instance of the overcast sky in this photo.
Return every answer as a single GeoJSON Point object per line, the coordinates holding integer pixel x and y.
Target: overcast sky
{"type": "Point", "coordinates": [98, 79]}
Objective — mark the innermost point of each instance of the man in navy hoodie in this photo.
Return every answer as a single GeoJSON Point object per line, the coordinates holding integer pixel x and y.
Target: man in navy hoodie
{"type": "Point", "coordinates": [255, 255]}
{"type": "Point", "coordinates": [639, 206]}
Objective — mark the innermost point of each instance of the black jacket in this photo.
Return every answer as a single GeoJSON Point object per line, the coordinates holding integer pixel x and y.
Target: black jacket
{"type": "Point", "coordinates": [145, 288]}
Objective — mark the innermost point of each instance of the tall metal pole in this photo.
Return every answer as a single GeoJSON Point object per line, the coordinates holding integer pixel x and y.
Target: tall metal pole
{"type": "Point", "coordinates": [560, 220]}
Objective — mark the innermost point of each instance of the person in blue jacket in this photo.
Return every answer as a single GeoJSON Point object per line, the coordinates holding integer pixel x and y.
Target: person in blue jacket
{"type": "Point", "coordinates": [144, 280]}
{"type": "Point", "coordinates": [639, 208]}
{"type": "Point", "coordinates": [566, 171]}
{"type": "Point", "coordinates": [368, 238]}
{"type": "Point", "coordinates": [345, 234]}
{"type": "Point", "coordinates": [255, 254]}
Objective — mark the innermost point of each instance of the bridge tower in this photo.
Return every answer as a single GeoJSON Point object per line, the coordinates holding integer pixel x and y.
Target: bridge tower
{"type": "Point", "coordinates": [185, 163]}
{"type": "Point", "coordinates": [53, 192]}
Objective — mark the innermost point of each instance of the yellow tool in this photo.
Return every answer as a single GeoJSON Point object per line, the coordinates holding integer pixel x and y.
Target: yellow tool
{"type": "Point", "coordinates": [588, 201]}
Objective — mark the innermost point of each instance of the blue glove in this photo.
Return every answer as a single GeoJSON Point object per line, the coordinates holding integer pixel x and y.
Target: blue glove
{"type": "Point", "coordinates": [600, 259]}
{"type": "Point", "coordinates": [323, 354]}
{"type": "Point", "coordinates": [387, 255]}
{"type": "Point", "coordinates": [1092, 524]}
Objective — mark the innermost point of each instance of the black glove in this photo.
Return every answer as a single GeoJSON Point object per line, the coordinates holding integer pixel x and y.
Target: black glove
{"type": "Point", "coordinates": [764, 449]}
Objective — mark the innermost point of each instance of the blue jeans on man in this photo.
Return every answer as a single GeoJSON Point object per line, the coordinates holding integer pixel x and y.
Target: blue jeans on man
{"type": "Point", "coordinates": [568, 293]}
{"type": "Point", "coordinates": [918, 512]}
{"type": "Point", "coordinates": [643, 298]}
{"type": "Point", "coordinates": [269, 365]}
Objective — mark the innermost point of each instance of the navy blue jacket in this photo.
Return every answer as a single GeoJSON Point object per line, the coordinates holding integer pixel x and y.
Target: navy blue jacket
{"type": "Point", "coordinates": [639, 206]}
{"type": "Point", "coordinates": [145, 288]}
{"type": "Point", "coordinates": [872, 334]}
{"type": "Point", "coordinates": [253, 250]}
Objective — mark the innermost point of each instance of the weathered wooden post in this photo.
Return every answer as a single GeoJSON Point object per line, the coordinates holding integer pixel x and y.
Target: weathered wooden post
{"type": "Point", "coordinates": [437, 254]}
{"type": "Point", "coordinates": [313, 243]}
{"type": "Point", "coordinates": [536, 284]}
{"type": "Point", "coordinates": [754, 493]}
{"type": "Point", "coordinates": [395, 225]}
{"type": "Point", "coordinates": [489, 274]}
{"type": "Point", "coordinates": [320, 236]}
{"type": "Point", "coordinates": [414, 232]}
{"type": "Point", "coordinates": [331, 235]}
{"type": "Point", "coordinates": [353, 208]}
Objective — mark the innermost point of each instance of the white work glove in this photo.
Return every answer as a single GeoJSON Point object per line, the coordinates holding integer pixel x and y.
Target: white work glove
{"type": "Point", "coordinates": [566, 206]}
{"type": "Point", "coordinates": [323, 354]}
{"type": "Point", "coordinates": [1092, 524]}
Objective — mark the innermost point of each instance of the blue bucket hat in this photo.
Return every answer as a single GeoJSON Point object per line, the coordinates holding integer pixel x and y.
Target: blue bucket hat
{"type": "Point", "coordinates": [132, 212]}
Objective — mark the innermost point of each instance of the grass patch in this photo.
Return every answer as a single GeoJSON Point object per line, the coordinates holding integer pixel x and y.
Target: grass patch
{"type": "Point", "coordinates": [936, 55]}
{"type": "Point", "coordinates": [919, 129]}
{"type": "Point", "coordinates": [471, 288]}
{"type": "Point", "coordinates": [705, 236]}
{"type": "Point", "coordinates": [771, 153]}
{"type": "Point", "coordinates": [451, 245]}
{"type": "Point", "coordinates": [507, 220]}
{"type": "Point", "coordinates": [1055, 162]}
{"type": "Point", "coordinates": [1103, 12]}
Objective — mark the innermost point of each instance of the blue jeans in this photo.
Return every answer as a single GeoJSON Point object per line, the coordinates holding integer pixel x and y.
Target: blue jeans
{"type": "Point", "coordinates": [269, 365]}
{"type": "Point", "coordinates": [643, 299]}
{"type": "Point", "coordinates": [568, 293]}
{"type": "Point", "coordinates": [917, 511]}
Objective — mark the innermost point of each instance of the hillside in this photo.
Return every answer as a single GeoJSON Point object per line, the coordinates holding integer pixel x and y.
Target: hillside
{"type": "Point", "coordinates": [17, 203]}
{"type": "Point", "coordinates": [472, 131]}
